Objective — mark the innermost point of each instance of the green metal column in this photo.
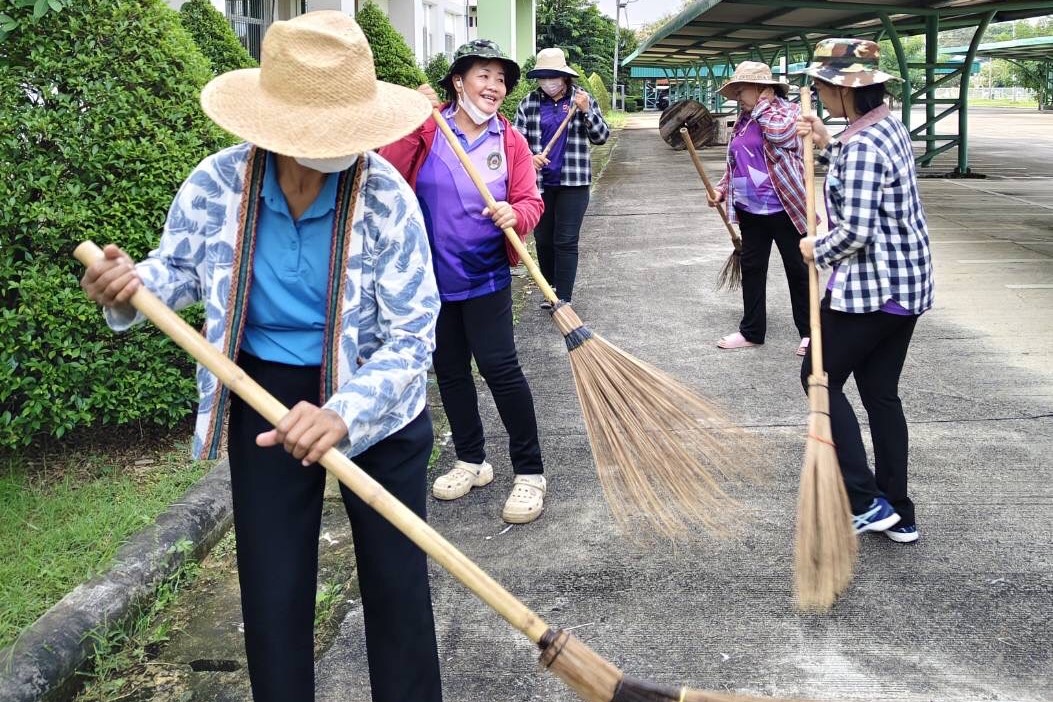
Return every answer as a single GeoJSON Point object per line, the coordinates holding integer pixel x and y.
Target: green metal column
{"type": "Point", "coordinates": [932, 52]}
{"type": "Point", "coordinates": [1045, 96]}
{"type": "Point", "coordinates": [963, 96]}
{"type": "Point", "coordinates": [904, 69]}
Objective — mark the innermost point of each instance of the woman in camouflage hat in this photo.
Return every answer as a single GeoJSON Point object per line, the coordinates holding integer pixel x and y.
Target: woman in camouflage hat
{"type": "Point", "coordinates": [878, 248]}
{"type": "Point", "coordinates": [764, 186]}
{"type": "Point", "coordinates": [472, 260]}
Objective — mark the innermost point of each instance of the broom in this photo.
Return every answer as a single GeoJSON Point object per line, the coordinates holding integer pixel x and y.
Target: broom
{"type": "Point", "coordinates": [826, 548]}
{"type": "Point", "coordinates": [730, 276]}
{"type": "Point", "coordinates": [559, 131]}
{"type": "Point", "coordinates": [644, 427]}
{"type": "Point", "coordinates": [593, 678]}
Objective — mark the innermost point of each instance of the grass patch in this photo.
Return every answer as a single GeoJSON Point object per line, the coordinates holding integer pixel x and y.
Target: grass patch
{"type": "Point", "coordinates": [1020, 104]}
{"type": "Point", "coordinates": [615, 119]}
{"type": "Point", "coordinates": [62, 524]}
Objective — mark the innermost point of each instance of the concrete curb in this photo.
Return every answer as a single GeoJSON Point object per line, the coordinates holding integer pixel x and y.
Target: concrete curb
{"type": "Point", "coordinates": [42, 664]}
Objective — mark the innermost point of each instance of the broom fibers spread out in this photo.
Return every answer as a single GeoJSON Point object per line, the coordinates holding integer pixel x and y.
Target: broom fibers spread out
{"type": "Point", "coordinates": [646, 430]}
{"type": "Point", "coordinates": [593, 678]}
{"type": "Point", "coordinates": [825, 549]}
{"type": "Point", "coordinates": [730, 276]}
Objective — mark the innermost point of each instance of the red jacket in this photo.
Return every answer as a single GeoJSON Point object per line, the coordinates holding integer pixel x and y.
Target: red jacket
{"type": "Point", "coordinates": [408, 154]}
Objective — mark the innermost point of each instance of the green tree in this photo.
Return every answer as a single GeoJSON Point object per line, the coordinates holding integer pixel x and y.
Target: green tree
{"type": "Point", "coordinates": [436, 70]}
{"type": "Point", "coordinates": [99, 109]}
{"type": "Point", "coordinates": [214, 37]}
{"type": "Point", "coordinates": [392, 57]}
{"type": "Point", "coordinates": [585, 34]}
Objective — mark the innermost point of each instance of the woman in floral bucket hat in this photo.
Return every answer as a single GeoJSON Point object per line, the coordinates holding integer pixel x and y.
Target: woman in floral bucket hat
{"type": "Point", "coordinates": [472, 261]}
{"type": "Point", "coordinates": [764, 186]}
{"type": "Point", "coordinates": [310, 256]}
{"type": "Point", "coordinates": [878, 248]}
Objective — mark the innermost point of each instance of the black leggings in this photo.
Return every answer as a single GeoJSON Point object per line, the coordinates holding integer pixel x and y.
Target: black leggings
{"type": "Point", "coordinates": [277, 516]}
{"type": "Point", "coordinates": [481, 327]}
{"type": "Point", "coordinates": [872, 347]}
{"type": "Point", "coordinates": [758, 233]}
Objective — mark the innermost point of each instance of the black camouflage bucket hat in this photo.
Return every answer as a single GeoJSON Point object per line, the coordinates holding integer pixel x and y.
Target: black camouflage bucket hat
{"type": "Point", "coordinates": [852, 63]}
{"type": "Point", "coordinates": [479, 50]}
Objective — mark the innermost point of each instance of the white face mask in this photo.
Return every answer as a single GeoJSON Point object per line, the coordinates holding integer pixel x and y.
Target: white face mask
{"type": "Point", "coordinates": [328, 165]}
{"type": "Point", "coordinates": [474, 112]}
{"type": "Point", "coordinates": [551, 86]}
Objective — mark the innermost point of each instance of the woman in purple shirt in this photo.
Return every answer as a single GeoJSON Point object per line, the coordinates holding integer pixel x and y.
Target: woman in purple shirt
{"type": "Point", "coordinates": [764, 185]}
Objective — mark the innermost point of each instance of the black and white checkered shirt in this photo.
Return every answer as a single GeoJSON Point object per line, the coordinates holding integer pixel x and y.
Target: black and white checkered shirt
{"type": "Point", "coordinates": [582, 130]}
{"type": "Point", "coordinates": [878, 237]}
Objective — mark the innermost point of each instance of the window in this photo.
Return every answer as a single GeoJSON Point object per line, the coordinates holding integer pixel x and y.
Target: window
{"type": "Point", "coordinates": [249, 19]}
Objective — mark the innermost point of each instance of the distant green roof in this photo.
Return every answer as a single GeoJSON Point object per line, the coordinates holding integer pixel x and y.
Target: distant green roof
{"type": "Point", "coordinates": [674, 72]}
{"type": "Point", "coordinates": [1035, 48]}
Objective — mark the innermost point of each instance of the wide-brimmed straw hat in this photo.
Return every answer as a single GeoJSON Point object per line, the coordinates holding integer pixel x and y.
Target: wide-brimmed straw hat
{"type": "Point", "coordinates": [756, 73]}
{"type": "Point", "coordinates": [551, 63]}
{"type": "Point", "coordinates": [479, 50]}
{"type": "Point", "coordinates": [849, 62]}
{"type": "Point", "coordinates": [315, 94]}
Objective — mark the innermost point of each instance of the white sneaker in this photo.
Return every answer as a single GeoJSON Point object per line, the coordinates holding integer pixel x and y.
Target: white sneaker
{"type": "Point", "coordinates": [527, 501]}
{"type": "Point", "coordinates": [459, 481]}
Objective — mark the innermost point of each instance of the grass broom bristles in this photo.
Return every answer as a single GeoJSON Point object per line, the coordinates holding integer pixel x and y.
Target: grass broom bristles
{"type": "Point", "coordinates": [661, 451]}
{"type": "Point", "coordinates": [730, 276]}
{"type": "Point", "coordinates": [594, 679]}
{"type": "Point", "coordinates": [826, 546]}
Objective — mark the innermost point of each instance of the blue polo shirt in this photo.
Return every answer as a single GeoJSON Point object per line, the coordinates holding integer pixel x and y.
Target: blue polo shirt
{"type": "Point", "coordinates": [285, 320]}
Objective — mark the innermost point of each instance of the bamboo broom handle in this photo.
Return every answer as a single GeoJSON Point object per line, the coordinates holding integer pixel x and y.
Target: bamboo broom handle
{"type": "Point", "coordinates": [559, 131]}
{"type": "Point", "coordinates": [358, 481]}
{"type": "Point", "coordinates": [686, 136]}
{"type": "Point", "coordinates": [510, 233]}
{"type": "Point", "coordinates": [816, 344]}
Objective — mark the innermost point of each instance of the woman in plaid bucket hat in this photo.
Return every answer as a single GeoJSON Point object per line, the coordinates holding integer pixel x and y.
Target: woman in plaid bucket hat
{"type": "Point", "coordinates": [472, 259]}
{"type": "Point", "coordinates": [564, 172]}
{"type": "Point", "coordinates": [878, 248]}
{"type": "Point", "coordinates": [764, 187]}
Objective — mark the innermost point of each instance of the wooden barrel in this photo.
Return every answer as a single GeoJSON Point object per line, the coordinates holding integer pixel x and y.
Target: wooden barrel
{"type": "Point", "coordinates": [692, 114]}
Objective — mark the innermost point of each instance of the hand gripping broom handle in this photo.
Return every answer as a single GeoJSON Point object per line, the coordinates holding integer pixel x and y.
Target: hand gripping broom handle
{"type": "Point", "coordinates": [816, 343]}
{"type": "Point", "coordinates": [369, 490]}
{"type": "Point", "coordinates": [559, 131]}
{"type": "Point", "coordinates": [736, 240]}
{"type": "Point", "coordinates": [510, 233]}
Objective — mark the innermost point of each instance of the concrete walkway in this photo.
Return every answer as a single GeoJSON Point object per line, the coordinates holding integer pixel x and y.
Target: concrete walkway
{"type": "Point", "coordinates": [963, 615]}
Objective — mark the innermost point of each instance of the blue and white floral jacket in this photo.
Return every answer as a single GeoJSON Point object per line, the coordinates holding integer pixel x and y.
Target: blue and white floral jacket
{"type": "Point", "coordinates": [383, 307]}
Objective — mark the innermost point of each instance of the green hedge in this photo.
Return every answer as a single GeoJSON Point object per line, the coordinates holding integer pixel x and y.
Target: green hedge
{"type": "Point", "coordinates": [99, 109]}
{"type": "Point", "coordinates": [599, 91]}
{"type": "Point", "coordinates": [214, 37]}
{"type": "Point", "coordinates": [436, 70]}
{"type": "Point", "coordinates": [392, 56]}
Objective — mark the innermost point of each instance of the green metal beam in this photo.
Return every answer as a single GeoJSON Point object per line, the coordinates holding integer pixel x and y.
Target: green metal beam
{"type": "Point", "coordinates": [901, 59]}
{"type": "Point", "coordinates": [834, 5]}
{"type": "Point", "coordinates": [963, 87]}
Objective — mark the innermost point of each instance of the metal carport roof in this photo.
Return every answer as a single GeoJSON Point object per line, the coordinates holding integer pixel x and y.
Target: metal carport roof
{"type": "Point", "coordinates": [721, 29]}
{"type": "Point", "coordinates": [1033, 49]}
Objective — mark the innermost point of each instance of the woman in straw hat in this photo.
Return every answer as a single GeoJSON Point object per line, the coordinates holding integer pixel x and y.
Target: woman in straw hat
{"type": "Point", "coordinates": [565, 173]}
{"type": "Point", "coordinates": [878, 247]}
{"type": "Point", "coordinates": [471, 267]}
{"type": "Point", "coordinates": [310, 256]}
{"type": "Point", "coordinates": [764, 187]}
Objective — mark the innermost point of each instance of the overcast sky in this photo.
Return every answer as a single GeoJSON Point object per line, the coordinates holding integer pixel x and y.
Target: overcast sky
{"type": "Point", "coordinates": [640, 12]}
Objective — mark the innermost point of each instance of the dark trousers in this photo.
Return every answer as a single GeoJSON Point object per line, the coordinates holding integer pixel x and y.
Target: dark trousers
{"type": "Point", "coordinates": [556, 236]}
{"type": "Point", "coordinates": [481, 328]}
{"type": "Point", "coordinates": [277, 516]}
{"type": "Point", "coordinates": [872, 347]}
{"type": "Point", "coordinates": [758, 233]}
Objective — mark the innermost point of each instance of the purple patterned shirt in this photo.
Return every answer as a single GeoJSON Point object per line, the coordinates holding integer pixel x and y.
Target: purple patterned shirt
{"type": "Point", "coordinates": [468, 250]}
{"type": "Point", "coordinates": [753, 189]}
